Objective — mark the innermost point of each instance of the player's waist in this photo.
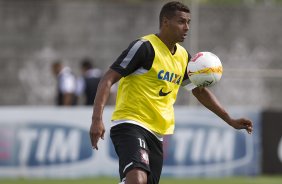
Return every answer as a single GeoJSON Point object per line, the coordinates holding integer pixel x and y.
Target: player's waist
{"type": "Point", "coordinates": [118, 122]}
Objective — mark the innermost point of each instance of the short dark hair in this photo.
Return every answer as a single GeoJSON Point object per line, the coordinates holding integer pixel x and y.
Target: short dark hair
{"type": "Point", "coordinates": [169, 9]}
{"type": "Point", "coordinates": [86, 63]}
{"type": "Point", "coordinates": [57, 63]}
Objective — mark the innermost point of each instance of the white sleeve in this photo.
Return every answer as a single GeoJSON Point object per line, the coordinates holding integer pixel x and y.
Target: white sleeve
{"type": "Point", "coordinates": [80, 86]}
{"type": "Point", "coordinates": [68, 83]}
{"type": "Point", "coordinates": [188, 85]}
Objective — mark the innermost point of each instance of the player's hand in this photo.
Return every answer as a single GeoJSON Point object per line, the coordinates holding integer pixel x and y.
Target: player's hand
{"type": "Point", "coordinates": [97, 131]}
{"type": "Point", "coordinates": [242, 123]}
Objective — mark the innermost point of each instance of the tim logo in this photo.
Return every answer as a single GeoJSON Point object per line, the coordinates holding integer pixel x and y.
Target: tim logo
{"type": "Point", "coordinates": [45, 144]}
{"type": "Point", "coordinates": [200, 149]}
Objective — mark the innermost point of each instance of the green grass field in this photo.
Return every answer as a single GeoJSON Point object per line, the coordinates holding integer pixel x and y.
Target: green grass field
{"type": "Point", "coordinates": [102, 180]}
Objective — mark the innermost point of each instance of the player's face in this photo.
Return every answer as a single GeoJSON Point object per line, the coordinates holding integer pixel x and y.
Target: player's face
{"type": "Point", "coordinates": [178, 26]}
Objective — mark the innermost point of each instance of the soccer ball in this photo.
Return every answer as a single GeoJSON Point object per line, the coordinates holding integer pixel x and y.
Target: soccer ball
{"type": "Point", "coordinates": [204, 69]}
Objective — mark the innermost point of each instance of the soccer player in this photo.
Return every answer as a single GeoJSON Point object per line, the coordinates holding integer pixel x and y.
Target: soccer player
{"type": "Point", "coordinates": [150, 72]}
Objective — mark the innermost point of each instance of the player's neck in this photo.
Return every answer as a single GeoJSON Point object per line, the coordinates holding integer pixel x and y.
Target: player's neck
{"type": "Point", "coordinates": [170, 44]}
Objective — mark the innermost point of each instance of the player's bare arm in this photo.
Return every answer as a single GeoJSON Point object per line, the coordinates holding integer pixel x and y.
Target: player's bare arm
{"type": "Point", "coordinates": [97, 128]}
{"type": "Point", "coordinates": [207, 98]}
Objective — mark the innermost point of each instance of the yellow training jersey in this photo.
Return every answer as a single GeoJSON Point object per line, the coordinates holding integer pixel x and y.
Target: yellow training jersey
{"type": "Point", "coordinates": [148, 97]}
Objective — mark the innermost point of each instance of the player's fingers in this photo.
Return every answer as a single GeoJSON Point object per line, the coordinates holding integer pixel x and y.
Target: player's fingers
{"type": "Point", "coordinates": [94, 140]}
{"type": "Point", "coordinates": [103, 133]}
{"type": "Point", "coordinates": [248, 123]}
{"type": "Point", "coordinates": [250, 129]}
{"type": "Point", "coordinates": [95, 143]}
{"type": "Point", "coordinates": [96, 137]}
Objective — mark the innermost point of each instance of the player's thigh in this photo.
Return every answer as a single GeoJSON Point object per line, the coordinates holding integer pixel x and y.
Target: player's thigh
{"type": "Point", "coordinates": [131, 148]}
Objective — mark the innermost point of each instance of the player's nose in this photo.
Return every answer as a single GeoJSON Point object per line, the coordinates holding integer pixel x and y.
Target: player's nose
{"type": "Point", "coordinates": [187, 27]}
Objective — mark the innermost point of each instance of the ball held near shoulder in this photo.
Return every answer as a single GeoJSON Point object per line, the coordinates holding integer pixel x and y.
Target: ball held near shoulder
{"type": "Point", "coordinates": [204, 69]}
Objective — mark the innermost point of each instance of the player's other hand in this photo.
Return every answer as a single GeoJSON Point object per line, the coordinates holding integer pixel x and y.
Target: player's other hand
{"type": "Point", "coordinates": [242, 123]}
{"type": "Point", "coordinates": [97, 131]}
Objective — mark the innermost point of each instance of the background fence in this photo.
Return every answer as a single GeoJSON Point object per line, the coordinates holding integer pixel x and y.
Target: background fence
{"type": "Point", "coordinates": [35, 33]}
{"type": "Point", "coordinates": [52, 142]}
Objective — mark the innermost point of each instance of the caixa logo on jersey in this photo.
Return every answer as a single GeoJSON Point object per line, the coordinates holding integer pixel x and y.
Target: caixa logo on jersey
{"type": "Point", "coordinates": [39, 144]}
{"type": "Point", "coordinates": [203, 148]}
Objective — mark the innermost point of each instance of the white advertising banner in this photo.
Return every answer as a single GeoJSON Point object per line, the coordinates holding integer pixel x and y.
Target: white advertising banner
{"type": "Point", "coordinates": [54, 142]}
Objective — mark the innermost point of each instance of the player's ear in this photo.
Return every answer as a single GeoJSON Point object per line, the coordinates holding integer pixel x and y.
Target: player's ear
{"type": "Point", "coordinates": [165, 21]}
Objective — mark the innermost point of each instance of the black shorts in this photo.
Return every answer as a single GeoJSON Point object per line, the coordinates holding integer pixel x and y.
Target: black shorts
{"type": "Point", "coordinates": [136, 147]}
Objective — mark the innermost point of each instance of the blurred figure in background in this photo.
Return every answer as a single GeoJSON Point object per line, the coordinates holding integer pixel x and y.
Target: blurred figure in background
{"type": "Point", "coordinates": [66, 84]}
{"type": "Point", "coordinates": [88, 83]}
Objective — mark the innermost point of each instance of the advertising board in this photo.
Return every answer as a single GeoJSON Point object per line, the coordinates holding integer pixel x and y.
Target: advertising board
{"type": "Point", "coordinates": [272, 142]}
{"type": "Point", "coordinates": [54, 142]}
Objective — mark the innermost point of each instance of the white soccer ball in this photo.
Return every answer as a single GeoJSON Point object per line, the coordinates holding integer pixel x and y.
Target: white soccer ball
{"type": "Point", "coordinates": [204, 69]}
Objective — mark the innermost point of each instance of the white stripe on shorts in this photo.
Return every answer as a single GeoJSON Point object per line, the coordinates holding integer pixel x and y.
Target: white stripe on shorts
{"type": "Point", "coordinates": [127, 166]}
